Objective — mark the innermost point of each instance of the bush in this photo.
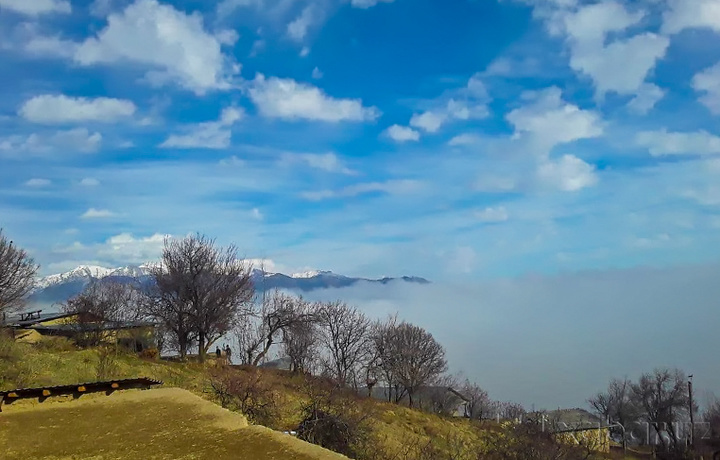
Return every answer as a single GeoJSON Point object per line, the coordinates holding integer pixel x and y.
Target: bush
{"type": "Point", "coordinates": [107, 366]}
{"type": "Point", "coordinates": [246, 391]}
{"type": "Point", "coordinates": [12, 371]}
{"type": "Point", "coordinates": [331, 419]}
{"type": "Point", "coordinates": [150, 354]}
{"type": "Point", "coordinates": [51, 343]}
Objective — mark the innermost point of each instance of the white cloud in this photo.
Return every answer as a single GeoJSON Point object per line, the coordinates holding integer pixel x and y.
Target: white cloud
{"type": "Point", "coordinates": [304, 51]}
{"type": "Point", "coordinates": [568, 174]}
{"type": "Point", "coordinates": [50, 109]}
{"type": "Point", "coordinates": [468, 102]}
{"type": "Point", "coordinates": [290, 100]}
{"type": "Point", "coordinates": [324, 161]}
{"type": "Point", "coordinates": [661, 143]}
{"type": "Point", "coordinates": [645, 99]}
{"type": "Point", "coordinates": [620, 65]}
{"type": "Point", "coordinates": [297, 29]}
{"type": "Point", "coordinates": [364, 4]}
{"type": "Point", "coordinates": [492, 215]}
{"type": "Point", "coordinates": [51, 46]}
{"type": "Point", "coordinates": [175, 45]}
{"type": "Point", "coordinates": [256, 214]}
{"type": "Point", "coordinates": [402, 133]}
{"type": "Point", "coordinates": [708, 82]}
{"type": "Point", "coordinates": [36, 7]}
{"type": "Point", "coordinates": [317, 73]}
{"type": "Point", "coordinates": [36, 182]}
{"type": "Point", "coordinates": [392, 187]}
{"type": "Point", "coordinates": [78, 140]}
{"type": "Point", "coordinates": [93, 213]}
{"type": "Point", "coordinates": [550, 121]}
{"type": "Point", "coordinates": [687, 14]}
{"type": "Point", "coordinates": [428, 121]}
{"type": "Point", "coordinates": [464, 139]}
{"type": "Point", "coordinates": [208, 135]}
{"type": "Point", "coordinates": [126, 248]}
{"type": "Point", "coordinates": [89, 182]}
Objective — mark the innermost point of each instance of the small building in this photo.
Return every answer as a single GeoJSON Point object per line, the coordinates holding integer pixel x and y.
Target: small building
{"type": "Point", "coordinates": [31, 327]}
{"type": "Point", "coordinates": [578, 426]}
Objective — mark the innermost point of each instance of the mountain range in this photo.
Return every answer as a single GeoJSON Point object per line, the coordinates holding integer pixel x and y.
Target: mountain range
{"type": "Point", "coordinates": [54, 289]}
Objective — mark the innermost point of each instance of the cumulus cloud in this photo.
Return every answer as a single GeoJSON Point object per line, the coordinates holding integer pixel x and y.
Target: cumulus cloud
{"type": "Point", "coordinates": [468, 102]}
{"type": "Point", "coordinates": [568, 174]}
{"type": "Point", "coordinates": [683, 14]}
{"type": "Point", "coordinates": [290, 100]}
{"type": "Point", "coordinates": [328, 162]}
{"type": "Point", "coordinates": [173, 44]}
{"type": "Point", "coordinates": [317, 73]}
{"type": "Point", "coordinates": [391, 187]}
{"type": "Point", "coordinates": [550, 121]}
{"type": "Point", "coordinates": [93, 213]}
{"type": "Point", "coordinates": [207, 135]}
{"type": "Point", "coordinates": [708, 82]}
{"type": "Point", "coordinates": [297, 29]}
{"type": "Point", "coordinates": [51, 109]}
{"type": "Point", "coordinates": [645, 99]}
{"type": "Point", "coordinates": [78, 140]}
{"type": "Point", "coordinates": [126, 248]}
{"type": "Point", "coordinates": [618, 65]}
{"type": "Point", "coordinates": [37, 7]}
{"type": "Point", "coordinates": [661, 143]}
{"type": "Point", "coordinates": [402, 133]}
{"type": "Point", "coordinates": [464, 139]}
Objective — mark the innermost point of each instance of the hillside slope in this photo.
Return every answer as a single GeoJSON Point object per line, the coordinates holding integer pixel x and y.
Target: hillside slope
{"type": "Point", "coordinates": [164, 423]}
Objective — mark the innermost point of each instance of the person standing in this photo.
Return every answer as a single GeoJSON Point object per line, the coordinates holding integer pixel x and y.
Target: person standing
{"type": "Point", "coordinates": [228, 354]}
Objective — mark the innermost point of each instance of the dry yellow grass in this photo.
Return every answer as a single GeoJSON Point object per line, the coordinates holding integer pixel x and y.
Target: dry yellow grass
{"type": "Point", "coordinates": [165, 423]}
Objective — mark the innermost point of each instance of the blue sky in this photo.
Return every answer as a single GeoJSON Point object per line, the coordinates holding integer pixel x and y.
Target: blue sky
{"type": "Point", "coordinates": [463, 139]}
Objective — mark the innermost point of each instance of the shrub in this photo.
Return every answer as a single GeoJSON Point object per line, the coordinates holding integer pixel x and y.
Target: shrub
{"type": "Point", "coordinates": [331, 419]}
{"type": "Point", "coordinates": [51, 343]}
{"type": "Point", "coordinates": [247, 391]}
{"type": "Point", "coordinates": [150, 354]}
{"type": "Point", "coordinates": [107, 366]}
{"type": "Point", "coordinates": [12, 371]}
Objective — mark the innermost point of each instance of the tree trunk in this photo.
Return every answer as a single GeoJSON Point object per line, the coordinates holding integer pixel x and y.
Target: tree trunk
{"type": "Point", "coordinates": [201, 346]}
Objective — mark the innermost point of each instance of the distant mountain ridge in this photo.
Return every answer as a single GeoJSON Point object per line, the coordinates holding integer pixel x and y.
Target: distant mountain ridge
{"type": "Point", "coordinates": [60, 287]}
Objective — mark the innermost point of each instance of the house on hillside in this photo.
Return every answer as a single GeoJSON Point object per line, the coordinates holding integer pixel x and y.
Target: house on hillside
{"type": "Point", "coordinates": [32, 327]}
{"type": "Point", "coordinates": [578, 426]}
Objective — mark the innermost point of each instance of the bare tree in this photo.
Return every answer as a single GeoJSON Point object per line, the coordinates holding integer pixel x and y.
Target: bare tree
{"type": "Point", "coordinates": [300, 339]}
{"type": "Point", "coordinates": [616, 405]}
{"type": "Point", "coordinates": [662, 396]}
{"type": "Point", "coordinates": [345, 333]}
{"type": "Point", "coordinates": [711, 415]}
{"type": "Point", "coordinates": [506, 410]}
{"type": "Point", "coordinates": [478, 405]}
{"type": "Point", "coordinates": [103, 302]}
{"type": "Point", "coordinates": [416, 358]}
{"type": "Point", "coordinates": [383, 353]}
{"type": "Point", "coordinates": [200, 289]}
{"type": "Point", "coordinates": [17, 275]}
{"type": "Point", "coordinates": [263, 325]}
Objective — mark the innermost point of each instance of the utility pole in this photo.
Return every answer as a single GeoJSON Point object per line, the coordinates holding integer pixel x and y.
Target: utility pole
{"type": "Point", "coordinates": [692, 421]}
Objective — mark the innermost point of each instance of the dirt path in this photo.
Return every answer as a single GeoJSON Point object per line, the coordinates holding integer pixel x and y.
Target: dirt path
{"type": "Point", "coordinates": [165, 423]}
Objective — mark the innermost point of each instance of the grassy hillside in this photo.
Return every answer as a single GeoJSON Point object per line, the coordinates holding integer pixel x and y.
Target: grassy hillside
{"type": "Point", "coordinates": [166, 423]}
{"type": "Point", "coordinates": [277, 400]}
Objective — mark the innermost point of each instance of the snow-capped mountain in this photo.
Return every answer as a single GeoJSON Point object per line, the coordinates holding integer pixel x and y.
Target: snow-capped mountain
{"type": "Point", "coordinates": [58, 288]}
